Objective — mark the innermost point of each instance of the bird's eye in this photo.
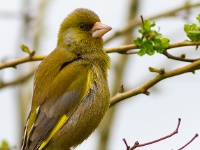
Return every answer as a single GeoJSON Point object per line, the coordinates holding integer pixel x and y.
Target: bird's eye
{"type": "Point", "coordinates": [81, 25]}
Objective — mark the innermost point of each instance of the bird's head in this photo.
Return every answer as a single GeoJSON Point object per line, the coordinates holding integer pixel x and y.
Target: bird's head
{"type": "Point", "coordinates": [82, 31]}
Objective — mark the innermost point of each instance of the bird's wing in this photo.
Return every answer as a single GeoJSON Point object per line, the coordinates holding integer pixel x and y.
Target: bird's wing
{"type": "Point", "coordinates": [67, 90]}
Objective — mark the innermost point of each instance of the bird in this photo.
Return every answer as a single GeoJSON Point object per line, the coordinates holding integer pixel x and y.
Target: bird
{"type": "Point", "coordinates": [70, 87]}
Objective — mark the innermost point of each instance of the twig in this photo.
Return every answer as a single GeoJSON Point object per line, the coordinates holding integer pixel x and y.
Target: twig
{"type": "Point", "coordinates": [160, 71]}
{"type": "Point", "coordinates": [143, 88]}
{"type": "Point", "coordinates": [18, 80]}
{"type": "Point", "coordinates": [124, 48]}
{"type": "Point", "coordinates": [154, 141]}
{"type": "Point", "coordinates": [196, 135]}
{"type": "Point", "coordinates": [127, 147]}
{"type": "Point", "coordinates": [16, 62]}
{"type": "Point", "coordinates": [178, 58]}
{"type": "Point", "coordinates": [136, 22]}
{"type": "Point", "coordinates": [121, 49]}
{"type": "Point", "coordinates": [160, 139]}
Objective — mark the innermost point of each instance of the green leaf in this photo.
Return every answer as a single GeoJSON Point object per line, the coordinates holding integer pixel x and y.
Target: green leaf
{"type": "Point", "coordinates": [4, 145]}
{"type": "Point", "coordinates": [149, 48]}
{"type": "Point", "coordinates": [158, 35]}
{"type": "Point", "coordinates": [165, 42]}
{"type": "Point", "coordinates": [138, 42]}
{"type": "Point", "coordinates": [186, 28]}
{"type": "Point", "coordinates": [25, 49]}
{"type": "Point", "coordinates": [142, 51]}
{"type": "Point", "coordinates": [157, 44]}
{"type": "Point", "coordinates": [161, 44]}
{"type": "Point", "coordinates": [147, 25]}
{"type": "Point", "coordinates": [198, 18]}
{"type": "Point", "coordinates": [151, 40]}
{"type": "Point", "coordinates": [195, 32]}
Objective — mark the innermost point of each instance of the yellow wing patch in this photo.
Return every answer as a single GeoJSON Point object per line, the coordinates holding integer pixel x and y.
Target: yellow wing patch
{"type": "Point", "coordinates": [58, 125]}
{"type": "Point", "coordinates": [64, 118]}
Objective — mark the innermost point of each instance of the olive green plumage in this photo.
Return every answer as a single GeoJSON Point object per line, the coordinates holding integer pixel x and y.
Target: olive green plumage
{"type": "Point", "coordinates": [71, 94]}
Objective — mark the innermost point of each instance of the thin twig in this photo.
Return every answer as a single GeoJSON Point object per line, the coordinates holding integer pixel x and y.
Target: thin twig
{"type": "Point", "coordinates": [168, 55]}
{"type": "Point", "coordinates": [137, 144]}
{"type": "Point", "coordinates": [18, 80]}
{"type": "Point", "coordinates": [196, 135]}
{"type": "Point", "coordinates": [126, 144]}
{"type": "Point", "coordinates": [124, 48]}
{"type": "Point", "coordinates": [16, 62]}
{"type": "Point", "coordinates": [136, 22]}
{"type": "Point", "coordinates": [143, 88]}
{"type": "Point", "coordinates": [158, 140]}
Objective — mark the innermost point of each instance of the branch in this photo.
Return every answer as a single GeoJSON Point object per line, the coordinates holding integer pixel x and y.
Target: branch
{"type": "Point", "coordinates": [120, 49]}
{"type": "Point", "coordinates": [136, 22]}
{"type": "Point", "coordinates": [143, 88]}
{"type": "Point", "coordinates": [154, 141]}
{"type": "Point", "coordinates": [124, 48]}
{"type": "Point", "coordinates": [16, 62]}
{"type": "Point", "coordinates": [180, 58]}
{"type": "Point", "coordinates": [196, 135]}
{"type": "Point", "coordinates": [18, 80]}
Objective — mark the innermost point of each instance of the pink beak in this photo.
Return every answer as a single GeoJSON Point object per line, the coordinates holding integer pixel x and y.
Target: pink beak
{"type": "Point", "coordinates": [99, 29]}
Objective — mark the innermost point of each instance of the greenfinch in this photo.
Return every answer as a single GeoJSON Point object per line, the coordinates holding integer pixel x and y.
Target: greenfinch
{"type": "Point", "coordinates": [70, 94]}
